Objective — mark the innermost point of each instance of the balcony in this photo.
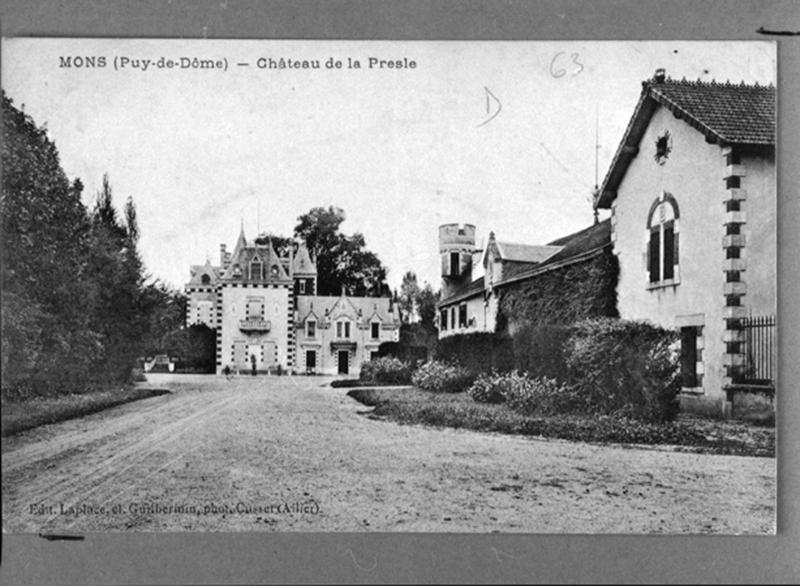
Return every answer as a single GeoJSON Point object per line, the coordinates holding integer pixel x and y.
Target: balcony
{"type": "Point", "coordinates": [254, 325]}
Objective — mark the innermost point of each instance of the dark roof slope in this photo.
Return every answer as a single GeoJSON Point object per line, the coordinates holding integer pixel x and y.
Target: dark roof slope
{"type": "Point", "coordinates": [585, 240]}
{"type": "Point", "coordinates": [473, 289]}
{"type": "Point", "coordinates": [576, 246]}
{"type": "Point", "coordinates": [725, 113]}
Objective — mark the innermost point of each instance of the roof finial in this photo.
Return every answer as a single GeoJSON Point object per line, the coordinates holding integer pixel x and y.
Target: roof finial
{"type": "Point", "coordinates": [660, 75]}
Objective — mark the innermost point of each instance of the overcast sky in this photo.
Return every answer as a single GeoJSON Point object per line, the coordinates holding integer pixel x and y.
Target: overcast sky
{"type": "Point", "coordinates": [400, 150]}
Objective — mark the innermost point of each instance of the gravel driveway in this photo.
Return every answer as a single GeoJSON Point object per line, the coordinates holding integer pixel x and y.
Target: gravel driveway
{"type": "Point", "coordinates": [289, 454]}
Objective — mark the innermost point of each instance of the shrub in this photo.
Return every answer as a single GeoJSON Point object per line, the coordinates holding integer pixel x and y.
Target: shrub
{"type": "Point", "coordinates": [386, 370]}
{"type": "Point", "coordinates": [625, 368]}
{"type": "Point", "coordinates": [478, 352]}
{"type": "Point", "coordinates": [440, 377]}
{"type": "Point", "coordinates": [539, 349]}
{"type": "Point", "coordinates": [526, 395]}
{"type": "Point", "coordinates": [486, 390]}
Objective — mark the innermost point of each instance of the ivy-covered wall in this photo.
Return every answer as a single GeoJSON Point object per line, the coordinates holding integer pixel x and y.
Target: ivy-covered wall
{"type": "Point", "coordinates": [562, 296]}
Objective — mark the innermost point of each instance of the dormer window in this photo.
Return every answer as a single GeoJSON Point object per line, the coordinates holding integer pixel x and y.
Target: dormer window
{"type": "Point", "coordinates": [376, 330]}
{"type": "Point", "coordinates": [302, 287]}
{"type": "Point", "coordinates": [255, 270]}
{"type": "Point", "coordinates": [205, 279]}
{"type": "Point", "coordinates": [343, 329]}
{"type": "Point", "coordinates": [311, 328]}
{"type": "Point", "coordinates": [274, 271]}
{"type": "Point", "coordinates": [237, 271]}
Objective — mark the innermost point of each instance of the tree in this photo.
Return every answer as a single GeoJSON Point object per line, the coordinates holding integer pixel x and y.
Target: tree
{"type": "Point", "coordinates": [46, 341]}
{"type": "Point", "coordinates": [116, 272]}
{"type": "Point", "coordinates": [342, 261]}
{"type": "Point", "coordinates": [281, 244]}
{"type": "Point", "coordinates": [409, 291]}
{"type": "Point", "coordinates": [427, 299]}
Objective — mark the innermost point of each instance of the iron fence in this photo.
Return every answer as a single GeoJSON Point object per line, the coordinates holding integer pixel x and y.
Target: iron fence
{"type": "Point", "coordinates": [760, 351]}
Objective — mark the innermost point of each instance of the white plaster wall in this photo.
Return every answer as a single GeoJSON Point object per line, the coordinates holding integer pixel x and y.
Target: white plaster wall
{"type": "Point", "coordinates": [234, 309]}
{"type": "Point", "coordinates": [693, 174]}
{"type": "Point", "coordinates": [476, 309]}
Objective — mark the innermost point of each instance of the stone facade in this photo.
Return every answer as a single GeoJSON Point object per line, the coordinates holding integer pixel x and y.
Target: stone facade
{"type": "Point", "coordinates": [267, 317]}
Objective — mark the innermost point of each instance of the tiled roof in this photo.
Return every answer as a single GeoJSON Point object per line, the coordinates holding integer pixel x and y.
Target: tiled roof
{"type": "Point", "coordinates": [725, 113]}
{"type": "Point", "coordinates": [733, 113]}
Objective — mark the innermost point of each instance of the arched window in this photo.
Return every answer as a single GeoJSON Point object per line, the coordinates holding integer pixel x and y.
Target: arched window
{"type": "Point", "coordinates": [205, 279]}
{"type": "Point", "coordinates": [662, 235]}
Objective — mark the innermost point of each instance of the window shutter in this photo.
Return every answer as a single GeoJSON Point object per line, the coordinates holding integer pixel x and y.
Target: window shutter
{"type": "Point", "coordinates": [669, 250]}
{"type": "Point", "coordinates": [654, 256]}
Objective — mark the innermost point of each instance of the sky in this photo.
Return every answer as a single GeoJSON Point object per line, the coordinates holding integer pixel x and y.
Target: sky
{"type": "Point", "coordinates": [502, 135]}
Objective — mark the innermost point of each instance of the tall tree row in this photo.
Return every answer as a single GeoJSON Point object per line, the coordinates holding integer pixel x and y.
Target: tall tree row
{"type": "Point", "coordinates": [75, 307]}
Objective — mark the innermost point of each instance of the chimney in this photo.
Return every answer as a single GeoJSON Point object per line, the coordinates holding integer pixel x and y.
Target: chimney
{"type": "Point", "coordinates": [660, 75]}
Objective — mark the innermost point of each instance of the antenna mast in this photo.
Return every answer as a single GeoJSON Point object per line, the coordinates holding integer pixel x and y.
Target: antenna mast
{"type": "Point", "coordinates": [596, 163]}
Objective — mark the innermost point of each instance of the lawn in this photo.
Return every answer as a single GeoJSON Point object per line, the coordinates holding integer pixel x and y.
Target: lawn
{"type": "Point", "coordinates": [414, 406]}
{"type": "Point", "coordinates": [25, 414]}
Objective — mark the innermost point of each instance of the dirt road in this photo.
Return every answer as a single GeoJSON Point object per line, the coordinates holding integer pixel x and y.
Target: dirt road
{"type": "Point", "coordinates": [287, 454]}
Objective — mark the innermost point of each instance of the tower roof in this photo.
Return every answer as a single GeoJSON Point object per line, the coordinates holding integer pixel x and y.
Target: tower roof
{"type": "Point", "coordinates": [302, 265]}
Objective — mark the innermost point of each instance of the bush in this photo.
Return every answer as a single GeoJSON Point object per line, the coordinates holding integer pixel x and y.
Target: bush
{"type": "Point", "coordinates": [440, 377]}
{"type": "Point", "coordinates": [539, 350]}
{"type": "Point", "coordinates": [486, 389]}
{"type": "Point", "coordinates": [386, 370]}
{"type": "Point", "coordinates": [478, 352]}
{"type": "Point", "coordinates": [526, 395]}
{"type": "Point", "coordinates": [625, 367]}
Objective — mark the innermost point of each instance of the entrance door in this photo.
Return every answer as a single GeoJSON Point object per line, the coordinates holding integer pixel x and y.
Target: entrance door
{"type": "Point", "coordinates": [311, 360]}
{"type": "Point", "coordinates": [344, 359]}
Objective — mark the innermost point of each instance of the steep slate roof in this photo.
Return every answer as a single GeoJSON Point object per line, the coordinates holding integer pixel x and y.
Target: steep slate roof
{"type": "Point", "coordinates": [197, 271]}
{"type": "Point", "coordinates": [350, 306]}
{"type": "Point", "coordinates": [301, 263]}
{"type": "Point", "coordinates": [245, 252]}
{"type": "Point", "coordinates": [725, 113]}
{"type": "Point", "coordinates": [525, 252]}
{"type": "Point", "coordinates": [574, 248]}
{"type": "Point", "coordinates": [472, 290]}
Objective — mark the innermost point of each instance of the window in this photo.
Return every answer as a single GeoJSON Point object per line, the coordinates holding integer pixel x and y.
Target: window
{"type": "Point", "coordinates": [205, 279]}
{"type": "Point", "coordinates": [689, 356]}
{"type": "Point", "coordinates": [343, 329]}
{"type": "Point", "coordinates": [302, 287]}
{"type": "Point", "coordinates": [462, 315]}
{"type": "Point", "coordinates": [274, 271]}
{"type": "Point", "coordinates": [376, 330]}
{"type": "Point", "coordinates": [311, 328]}
{"type": "Point", "coordinates": [255, 308]}
{"type": "Point", "coordinates": [443, 319]}
{"type": "Point", "coordinates": [454, 260]}
{"type": "Point", "coordinates": [255, 270]}
{"type": "Point", "coordinates": [662, 248]}
{"type": "Point", "coordinates": [453, 317]}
